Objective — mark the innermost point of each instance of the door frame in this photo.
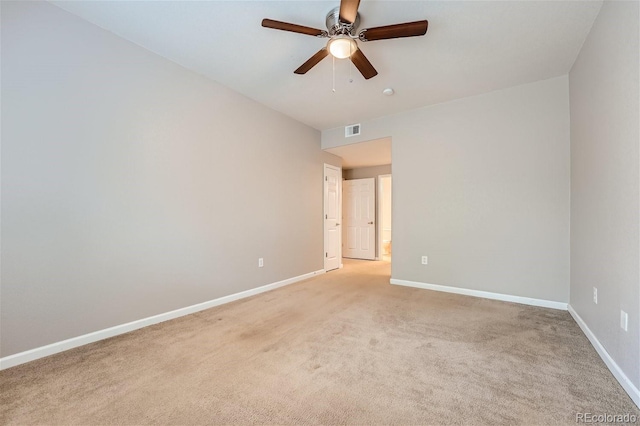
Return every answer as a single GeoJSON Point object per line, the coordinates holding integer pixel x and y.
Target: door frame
{"type": "Point", "coordinates": [324, 213]}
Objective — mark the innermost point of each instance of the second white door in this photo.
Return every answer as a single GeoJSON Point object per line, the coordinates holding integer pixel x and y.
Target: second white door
{"type": "Point", "coordinates": [358, 219]}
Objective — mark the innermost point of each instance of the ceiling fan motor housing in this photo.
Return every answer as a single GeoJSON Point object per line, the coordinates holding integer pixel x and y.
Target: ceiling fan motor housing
{"type": "Point", "coordinates": [336, 26]}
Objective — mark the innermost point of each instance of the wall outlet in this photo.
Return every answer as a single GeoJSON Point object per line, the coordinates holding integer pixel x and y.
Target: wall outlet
{"type": "Point", "coordinates": [595, 295]}
{"type": "Point", "coordinates": [624, 320]}
{"type": "Point", "coordinates": [425, 260]}
{"type": "Point", "coordinates": [260, 262]}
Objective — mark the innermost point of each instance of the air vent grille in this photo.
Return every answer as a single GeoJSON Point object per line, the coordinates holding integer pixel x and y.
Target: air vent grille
{"type": "Point", "coordinates": [352, 130]}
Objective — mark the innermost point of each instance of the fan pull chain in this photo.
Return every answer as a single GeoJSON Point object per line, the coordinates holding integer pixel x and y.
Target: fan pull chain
{"type": "Point", "coordinates": [350, 64]}
{"type": "Point", "coordinates": [334, 73]}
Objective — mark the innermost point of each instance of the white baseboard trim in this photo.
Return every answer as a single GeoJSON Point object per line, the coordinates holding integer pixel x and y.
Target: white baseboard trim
{"type": "Point", "coordinates": [484, 294]}
{"type": "Point", "coordinates": [74, 342]}
{"type": "Point", "coordinates": [622, 378]}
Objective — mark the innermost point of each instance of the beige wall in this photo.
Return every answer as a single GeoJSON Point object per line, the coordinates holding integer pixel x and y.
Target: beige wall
{"type": "Point", "coordinates": [605, 183]}
{"type": "Point", "coordinates": [121, 197]}
{"type": "Point", "coordinates": [481, 186]}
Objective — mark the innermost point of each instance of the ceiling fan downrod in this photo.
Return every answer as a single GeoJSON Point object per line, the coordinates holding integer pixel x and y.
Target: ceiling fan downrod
{"type": "Point", "coordinates": [335, 26]}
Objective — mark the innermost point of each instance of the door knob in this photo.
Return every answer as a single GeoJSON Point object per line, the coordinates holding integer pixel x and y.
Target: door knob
{"type": "Point", "coordinates": [370, 223]}
{"type": "Point", "coordinates": [337, 224]}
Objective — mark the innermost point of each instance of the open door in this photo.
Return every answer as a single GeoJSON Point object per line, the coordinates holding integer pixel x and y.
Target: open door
{"type": "Point", "coordinates": [359, 233]}
{"type": "Point", "coordinates": [332, 215]}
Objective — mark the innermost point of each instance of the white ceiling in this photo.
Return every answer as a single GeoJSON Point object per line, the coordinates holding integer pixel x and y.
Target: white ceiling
{"type": "Point", "coordinates": [471, 47]}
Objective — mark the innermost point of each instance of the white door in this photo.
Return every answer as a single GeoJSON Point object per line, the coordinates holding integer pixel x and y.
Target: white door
{"type": "Point", "coordinates": [332, 214]}
{"type": "Point", "coordinates": [359, 234]}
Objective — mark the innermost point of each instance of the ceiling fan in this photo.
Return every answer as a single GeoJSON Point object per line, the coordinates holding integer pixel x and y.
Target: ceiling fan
{"type": "Point", "coordinates": [342, 23]}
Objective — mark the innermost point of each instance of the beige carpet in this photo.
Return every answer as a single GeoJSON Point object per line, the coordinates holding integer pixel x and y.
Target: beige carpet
{"type": "Point", "coordinates": [342, 348]}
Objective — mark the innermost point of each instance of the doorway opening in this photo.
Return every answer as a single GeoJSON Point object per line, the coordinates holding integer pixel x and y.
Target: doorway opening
{"type": "Point", "coordinates": [366, 199]}
{"type": "Point", "coordinates": [366, 213]}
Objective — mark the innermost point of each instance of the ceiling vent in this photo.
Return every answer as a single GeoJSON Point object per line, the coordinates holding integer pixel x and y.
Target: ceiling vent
{"type": "Point", "coordinates": [353, 130]}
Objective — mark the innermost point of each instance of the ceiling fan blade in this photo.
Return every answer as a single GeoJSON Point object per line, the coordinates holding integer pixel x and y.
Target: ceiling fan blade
{"type": "Point", "coordinates": [349, 10]}
{"type": "Point", "coordinates": [408, 29]}
{"type": "Point", "coordinates": [312, 61]}
{"type": "Point", "coordinates": [362, 63]}
{"type": "Point", "coordinates": [285, 26]}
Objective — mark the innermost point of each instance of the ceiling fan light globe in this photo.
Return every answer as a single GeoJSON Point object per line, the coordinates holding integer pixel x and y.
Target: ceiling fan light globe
{"type": "Point", "coordinates": [342, 47]}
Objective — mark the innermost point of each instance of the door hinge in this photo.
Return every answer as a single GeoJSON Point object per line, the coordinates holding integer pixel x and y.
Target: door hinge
{"type": "Point", "coordinates": [326, 216]}
{"type": "Point", "coordinates": [326, 255]}
{"type": "Point", "coordinates": [326, 178]}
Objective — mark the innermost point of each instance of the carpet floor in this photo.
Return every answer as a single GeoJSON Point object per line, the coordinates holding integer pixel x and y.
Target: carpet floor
{"type": "Point", "coordinates": [341, 348]}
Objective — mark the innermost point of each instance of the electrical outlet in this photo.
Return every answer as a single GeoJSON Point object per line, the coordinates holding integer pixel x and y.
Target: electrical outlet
{"type": "Point", "coordinates": [260, 262]}
{"type": "Point", "coordinates": [595, 295]}
{"type": "Point", "coordinates": [425, 260]}
{"type": "Point", "coordinates": [624, 320]}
